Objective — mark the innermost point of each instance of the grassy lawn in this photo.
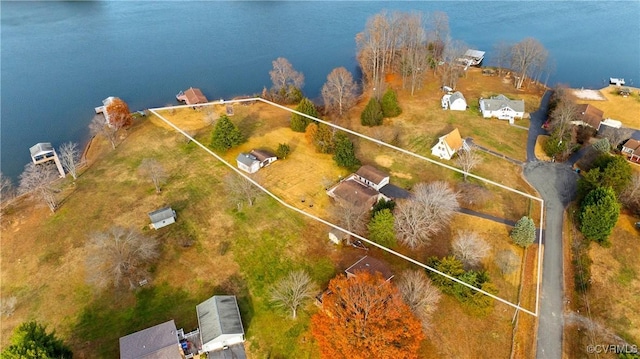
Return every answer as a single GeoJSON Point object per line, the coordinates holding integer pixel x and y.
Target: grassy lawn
{"type": "Point", "coordinates": [624, 109]}
{"type": "Point", "coordinates": [213, 249]}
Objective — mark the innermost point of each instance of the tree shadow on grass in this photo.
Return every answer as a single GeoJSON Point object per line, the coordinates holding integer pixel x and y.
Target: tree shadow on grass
{"type": "Point", "coordinates": [248, 125]}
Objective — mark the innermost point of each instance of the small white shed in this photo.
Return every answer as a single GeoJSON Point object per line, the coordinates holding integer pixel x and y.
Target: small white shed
{"type": "Point", "coordinates": [219, 322]}
{"type": "Point", "coordinates": [454, 102]}
{"type": "Point", "coordinates": [248, 163]}
{"type": "Point", "coordinates": [162, 217]}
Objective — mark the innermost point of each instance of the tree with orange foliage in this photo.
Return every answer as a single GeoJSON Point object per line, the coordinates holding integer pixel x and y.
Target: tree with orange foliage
{"type": "Point", "coordinates": [117, 114]}
{"type": "Point", "coordinates": [365, 317]}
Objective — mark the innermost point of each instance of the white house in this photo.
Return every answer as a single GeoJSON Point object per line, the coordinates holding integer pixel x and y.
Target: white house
{"type": "Point", "coordinates": [162, 217]}
{"type": "Point", "coordinates": [454, 102]}
{"type": "Point", "coordinates": [502, 108]}
{"type": "Point", "coordinates": [448, 145]}
{"type": "Point", "coordinates": [248, 163]}
{"type": "Point", "coordinates": [220, 323]}
{"type": "Point", "coordinates": [372, 177]}
{"type": "Point", "coordinates": [631, 149]}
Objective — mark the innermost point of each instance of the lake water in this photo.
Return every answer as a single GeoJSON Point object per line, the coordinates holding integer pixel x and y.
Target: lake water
{"type": "Point", "coordinates": [60, 59]}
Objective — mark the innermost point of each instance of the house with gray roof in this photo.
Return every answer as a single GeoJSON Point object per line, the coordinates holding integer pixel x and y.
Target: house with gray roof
{"type": "Point", "coordinates": [162, 217]}
{"type": "Point", "coordinates": [160, 341]}
{"type": "Point", "coordinates": [220, 324]}
{"type": "Point", "coordinates": [454, 102]}
{"type": "Point", "coordinates": [502, 108]}
{"type": "Point", "coordinates": [256, 159]}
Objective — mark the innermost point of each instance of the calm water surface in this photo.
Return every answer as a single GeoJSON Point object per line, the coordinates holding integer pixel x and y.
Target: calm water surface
{"type": "Point", "coordinates": [60, 59]}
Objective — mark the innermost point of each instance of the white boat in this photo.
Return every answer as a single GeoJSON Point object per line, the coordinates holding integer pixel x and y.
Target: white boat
{"type": "Point", "coordinates": [616, 81]}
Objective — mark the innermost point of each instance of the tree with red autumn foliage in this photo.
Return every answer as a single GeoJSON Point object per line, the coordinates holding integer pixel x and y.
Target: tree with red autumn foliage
{"type": "Point", "coordinates": [365, 317]}
{"type": "Point", "coordinates": [118, 114]}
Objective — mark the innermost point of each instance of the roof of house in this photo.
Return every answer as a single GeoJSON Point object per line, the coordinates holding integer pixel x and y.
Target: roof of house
{"type": "Point", "coordinates": [632, 144]}
{"type": "Point", "coordinates": [219, 315]}
{"type": "Point", "coordinates": [394, 192]}
{"type": "Point", "coordinates": [372, 174]}
{"type": "Point", "coordinates": [246, 159]}
{"type": "Point", "coordinates": [456, 96]}
{"type": "Point", "coordinates": [235, 351]}
{"type": "Point", "coordinates": [355, 192]}
{"type": "Point", "coordinates": [39, 148]}
{"type": "Point", "coordinates": [161, 214]}
{"type": "Point", "coordinates": [261, 155]}
{"type": "Point", "coordinates": [160, 341]}
{"type": "Point", "coordinates": [590, 115]}
{"type": "Point", "coordinates": [501, 101]}
{"type": "Point", "coordinates": [453, 139]}
{"type": "Point", "coordinates": [371, 265]}
{"type": "Point", "coordinates": [193, 96]}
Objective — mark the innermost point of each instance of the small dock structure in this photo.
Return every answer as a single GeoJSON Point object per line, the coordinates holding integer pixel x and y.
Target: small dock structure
{"type": "Point", "coordinates": [472, 58]}
{"type": "Point", "coordinates": [44, 152]}
{"type": "Point", "coordinates": [616, 81]}
{"type": "Point", "coordinates": [191, 96]}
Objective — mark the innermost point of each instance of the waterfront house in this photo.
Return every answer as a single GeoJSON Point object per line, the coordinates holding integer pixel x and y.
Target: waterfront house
{"type": "Point", "coordinates": [160, 341]}
{"type": "Point", "coordinates": [162, 217]}
{"type": "Point", "coordinates": [454, 102]}
{"type": "Point", "coordinates": [220, 325]}
{"type": "Point", "coordinates": [588, 115]}
{"type": "Point", "coordinates": [191, 96]}
{"type": "Point", "coordinates": [44, 152]}
{"type": "Point", "coordinates": [502, 108]}
{"type": "Point", "coordinates": [448, 145]}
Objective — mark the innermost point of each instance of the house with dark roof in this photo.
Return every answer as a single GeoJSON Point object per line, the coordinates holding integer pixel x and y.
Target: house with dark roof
{"type": "Point", "coordinates": [353, 191]}
{"type": "Point", "coordinates": [219, 322]}
{"type": "Point", "coordinates": [631, 149]}
{"type": "Point", "coordinates": [371, 265]}
{"type": "Point", "coordinates": [162, 217]}
{"type": "Point", "coordinates": [191, 96]}
{"type": "Point", "coordinates": [264, 157]}
{"type": "Point", "coordinates": [160, 341]}
{"type": "Point", "coordinates": [588, 115]}
{"type": "Point", "coordinates": [253, 161]}
{"type": "Point", "coordinates": [448, 145]}
{"type": "Point", "coordinates": [502, 108]}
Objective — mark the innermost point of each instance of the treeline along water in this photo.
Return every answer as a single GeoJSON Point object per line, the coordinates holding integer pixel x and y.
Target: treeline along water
{"type": "Point", "coordinates": [60, 59]}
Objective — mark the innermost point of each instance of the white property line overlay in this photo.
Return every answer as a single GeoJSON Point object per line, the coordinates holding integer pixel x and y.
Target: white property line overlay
{"type": "Point", "coordinates": [517, 307]}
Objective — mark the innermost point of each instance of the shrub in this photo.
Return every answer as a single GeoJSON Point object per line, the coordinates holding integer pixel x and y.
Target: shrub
{"type": "Point", "coordinates": [524, 232]}
{"type": "Point", "coordinates": [283, 150]}
{"type": "Point", "coordinates": [389, 104]}
{"type": "Point", "coordinates": [372, 113]}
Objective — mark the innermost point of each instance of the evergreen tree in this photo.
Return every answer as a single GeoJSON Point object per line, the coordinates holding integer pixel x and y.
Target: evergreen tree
{"type": "Point", "coordinates": [298, 122]}
{"type": "Point", "coordinates": [283, 150]}
{"type": "Point", "coordinates": [323, 139]}
{"type": "Point", "coordinates": [345, 154]}
{"type": "Point", "coordinates": [372, 113]}
{"type": "Point", "coordinates": [390, 106]}
{"type": "Point", "coordinates": [607, 171]}
{"type": "Point", "coordinates": [524, 233]}
{"type": "Point", "coordinates": [381, 228]}
{"type": "Point", "coordinates": [225, 135]}
{"type": "Point", "coordinates": [382, 204]}
{"type": "Point", "coordinates": [30, 340]}
{"type": "Point", "coordinates": [598, 214]}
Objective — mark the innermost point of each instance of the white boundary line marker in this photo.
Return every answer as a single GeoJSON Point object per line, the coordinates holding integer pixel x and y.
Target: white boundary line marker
{"type": "Point", "coordinates": [518, 307]}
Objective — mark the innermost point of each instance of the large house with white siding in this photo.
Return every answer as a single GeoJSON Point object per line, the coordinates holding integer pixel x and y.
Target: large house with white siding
{"type": "Point", "coordinates": [502, 108]}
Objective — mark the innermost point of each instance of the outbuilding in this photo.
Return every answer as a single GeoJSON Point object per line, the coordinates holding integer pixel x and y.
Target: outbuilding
{"type": "Point", "coordinates": [220, 323]}
{"type": "Point", "coordinates": [162, 217]}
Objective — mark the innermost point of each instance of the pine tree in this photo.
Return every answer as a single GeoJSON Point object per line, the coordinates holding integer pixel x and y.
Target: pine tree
{"type": "Point", "coordinates": [599, 214]}
{"type": "Point", "coordinates": [372, 113]}
{"type": "Point", "coordinates": [31, 340]}
{"type": "Point", "coordinates": [345, 154]}
{"type": "Point", "coordinates": [389, 104]}
{"type": "Point", "coordinates": [381, 228]}
{"type": "Point", "coordinates": [298, 122]}
{"type": "Point", "coordinates": [225, 135]}
{"type": "Point", "coordinates": [524, 232]}
{"type": "Point", "coordinates": [283, 150]}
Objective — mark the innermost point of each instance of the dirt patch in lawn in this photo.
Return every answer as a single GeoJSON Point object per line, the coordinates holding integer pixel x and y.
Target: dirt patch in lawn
{"type": "Point", "coordinates": [384, 161]}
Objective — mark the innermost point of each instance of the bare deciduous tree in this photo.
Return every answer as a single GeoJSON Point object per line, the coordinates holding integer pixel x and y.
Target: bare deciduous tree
{"type": "Point", "coordinates": [471, 195]}
{"type": "Point", "coordinates": [69, 155]}
{"type": "Point", "coordinates": [152, 168]}
{"type": "Point", "coordinates": [469, 248]}
{"type": "Point", "coordinates": [467, 160]}
{"type": "Point", "coordinates": [119, 257]}
{"type": "Point", "coordinates": [240, 190]}
{"type": "Point", "coordinates": [616, 135]}
{"type": "Point", "coordinates": [507, 261]}
{"type": "Point", "coordinates": [527, 55]}
{"type": "Point", "coordinates": [284, 75]}
{"type": "Point", "coordinates": [291, 291]}
{"type": "Point", "coordinates": [7, 191]}
{"type": "Point", "coordinates": [562, 115]}
{"type": "Point", "coordinates": [413, 50]}
{"type": "Point", "coordinates": [502, 56]}
{"type": "Point", "coordinates": [419, 294]}
{"type": "Point", "coordinates": [98, 126]}
{"type": "Point", "coordinates": [38, 180]}
{"type": "Point", "coordinates": [424, 214]}
{"type": "Point", "coordinates": [630, 197]}
{"type": "Point", "coordinates": [339, 92]}
{"type": "Point", "coordinates": [451, 68]}
{"type": "Point", "coordinates": [350, 216]}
